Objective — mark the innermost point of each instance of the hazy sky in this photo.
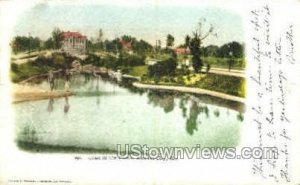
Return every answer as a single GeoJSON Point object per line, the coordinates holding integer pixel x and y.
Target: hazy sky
{"type": "Point", "coordinates": [148, 22]}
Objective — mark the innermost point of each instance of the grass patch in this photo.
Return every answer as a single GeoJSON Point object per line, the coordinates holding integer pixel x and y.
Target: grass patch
{"type": "Point", "coordinates": [239, 63]}
{"type": "Point", "coordinates": [225, 84]}
{"type": "Point", "coordinates": [139, 71]}
{"type": "Point", "coordinates": [221, 83]}
{"type": "Point", "coordinates": [26, 70]}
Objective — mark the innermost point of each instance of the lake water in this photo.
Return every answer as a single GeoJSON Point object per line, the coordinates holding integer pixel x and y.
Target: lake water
{"type": "Point", "coordinates": [103, 114]}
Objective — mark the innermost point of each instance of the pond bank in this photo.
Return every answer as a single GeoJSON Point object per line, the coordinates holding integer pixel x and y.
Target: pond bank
{"type": "Point", "coordinates": [189, 90]}
{"type": "Point", "coordinates": [24, 93]}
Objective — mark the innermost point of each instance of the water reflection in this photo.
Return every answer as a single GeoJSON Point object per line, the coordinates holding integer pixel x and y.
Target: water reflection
{"type": "Point", "coordinates": [240, 117]}
{"type": "Point", "coordinates": [98, 77]}
{"type": "Point", "coordinates": [191, 108]}
{"type": "Point", "coordinates": [50, 105]}
{"type": "Point", "coordinates": [191, 122]}
{"type": "Point", "coordinates": [67, 105]}
{"type": "Point", "coordinates": [175, 118]}
{"type": "Point", "coordinates": [217, 113]}
{"type": "Point", "coordinates": [163, 100]}
{"type": "Point", "coordinates": [28, 134]}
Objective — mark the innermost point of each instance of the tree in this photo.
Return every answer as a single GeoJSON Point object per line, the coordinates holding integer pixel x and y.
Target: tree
{"type": "Point", "coordinates": [195, 44]}
{"type": "Point", "coordinates": [159, 44]}
{"type": "Point", "coordinates": [57, 37]}
{"type": "Point", "coordinates": [187, 42]}
{"type": "Point", "coordinates": [23, 43]}
{"type": "Point", "coordinates": [210, 51]}
{"type": "Point", "coordinates": [49, 44]}
{"type": "Point", "coordinates": [141, 46]}
{"type": "Point", "coordinates": [99, 44]}
{"type": "Point", "coordinates": [163, 68]}
{"type": "Point", "coordinates": [195, 50]}
{"type": "Point", "coordinates": [100, 36]}
{"type": "Point", "coordinates": [170, 40]}
{"type": "Point", "coordinates": [236, 48]}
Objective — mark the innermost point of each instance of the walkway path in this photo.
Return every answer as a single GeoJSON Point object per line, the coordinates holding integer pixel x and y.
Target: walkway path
{"type": "Point", "coordinates": [224, 71]}
{"type": "Point", "coordinates": [190, 90]}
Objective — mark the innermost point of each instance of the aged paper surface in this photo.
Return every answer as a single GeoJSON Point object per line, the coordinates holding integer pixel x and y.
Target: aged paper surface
{"type": "Point", "coordinates": [149, 92]}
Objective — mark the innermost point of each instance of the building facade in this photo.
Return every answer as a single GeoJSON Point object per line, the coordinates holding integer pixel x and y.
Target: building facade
{"type": "Point", "coordinates": [74, 43]}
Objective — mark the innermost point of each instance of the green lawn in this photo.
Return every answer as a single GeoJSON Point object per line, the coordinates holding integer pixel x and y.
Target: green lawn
{"type": "Point", "coordinates": [239, 63]}
{"type": "Point", "coordinates": [139, 71]}
{"type": "Point", "coordinates": [226, 84]}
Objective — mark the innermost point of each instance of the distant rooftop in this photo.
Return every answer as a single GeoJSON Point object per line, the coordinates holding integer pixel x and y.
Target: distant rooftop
{"type": "Point", "coordinates": [69, 34]}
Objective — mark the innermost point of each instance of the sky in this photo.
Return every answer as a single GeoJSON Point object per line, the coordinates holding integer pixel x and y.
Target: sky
{"type": "Point", "coordinates": [149, 22]}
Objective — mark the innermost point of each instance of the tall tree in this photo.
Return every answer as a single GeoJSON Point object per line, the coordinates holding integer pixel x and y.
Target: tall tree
{"type": "Point", "coordinates": [195, 44]}
{"type": "Point", "coordinates": [100, 43]}
{"type": "Point", "coordinates": [100, 35]}
{"type": "Point", "coordinates": [187, 42]}
{"type": "Point", "coordinates": [57, 37]}
{"type": "Point", "coordinates": [170, 40]}
{"type": "Point", "coordinates": [159, 44]}
{"type": "Point", "coordinates": [49, 44]}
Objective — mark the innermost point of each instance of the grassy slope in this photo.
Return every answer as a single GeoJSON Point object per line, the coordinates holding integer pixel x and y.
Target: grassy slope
{"type": "Point", "coordinates": [25, 71]}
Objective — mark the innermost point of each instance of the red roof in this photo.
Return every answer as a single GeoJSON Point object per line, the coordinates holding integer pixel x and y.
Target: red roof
{"type": "Point", "coordinates": [182, 51]}
{"type": "Point", "coordinates": [69, 34]}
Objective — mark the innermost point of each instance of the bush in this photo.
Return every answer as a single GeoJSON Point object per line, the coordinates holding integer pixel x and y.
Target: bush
{"type": "Point", "coordinates": [225, 84]}
{"type": "Point", "coordinates": [58, 60]}
{"type": "Point", "coordinates": [163, 68]}
{"type": "Point", "coordinates": [93, 59]}
{"type": "Point", "coordinates": [14, 67]}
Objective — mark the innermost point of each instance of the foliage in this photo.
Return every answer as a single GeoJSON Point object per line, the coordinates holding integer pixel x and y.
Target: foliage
{"type": "Point", "coordinates": [93, 59]}
{"type": "Point", "coordinates": [49, 44]}
{"type": "Point", "coordinates": [14, 67]}
{"type": "Point", "coordinates": [221, 83]}
{"type": "Point", "coordinates": [170, 40]}
{"type": "Point", "coordinates": [238, 63]}
{"type": "Point", "coordinates": [58, 60]}
{"type": "Point", "coordinates": [40, 65]}
{"type": "Point", "coordinates": [235, 48]}
{"type": "Point", "coordinates": [210, 50]}
{"type": "Point", "coordinates": [57, 37]}
{"type": "Point", "coordinates": [23, 43]}
{"type": "Point", "coordinates": [195, 45]}
{"type": "Point", "coordinates": [139, 71]}
{"type": "Point", "coordinates": [25, 70]}
{"type": "Point", "coordinates": [112, 62]}
{"type": "Point", "coordinates": [187, 41]}
{"type": "Point", "coordinates": [133, 60]}
{"type": "Point", "coordinates": [163, 68]}
{"type": "Point", "coordinates": [195, 50]}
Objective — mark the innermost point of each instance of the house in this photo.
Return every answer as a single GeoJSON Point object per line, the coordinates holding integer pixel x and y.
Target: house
{"type": "Point", "coordinates": [181, 51]}
{"type": "Point", "coordinates": [74, 42]}
{"type": "Point", "coordinates": [127, 46]}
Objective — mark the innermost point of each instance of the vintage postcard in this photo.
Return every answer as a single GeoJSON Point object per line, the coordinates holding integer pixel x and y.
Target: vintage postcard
{"type": "Point", "coordinates": [149, 92]}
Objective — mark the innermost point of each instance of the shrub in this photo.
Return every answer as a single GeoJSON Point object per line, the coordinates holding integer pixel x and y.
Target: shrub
{"type": "Point", "coordinates": [163, 68]}
{"type": "Point", "coordinates": [14, 67]}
